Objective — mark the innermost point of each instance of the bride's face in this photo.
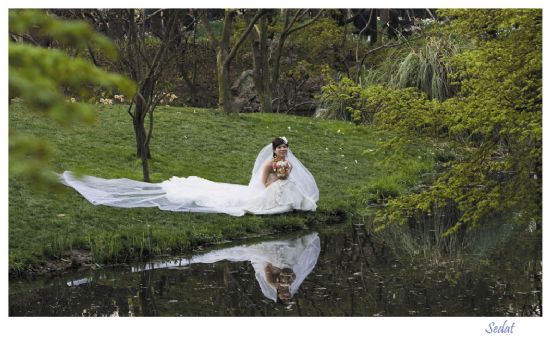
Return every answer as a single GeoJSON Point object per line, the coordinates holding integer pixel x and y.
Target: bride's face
{"type": "Point", "coordinates": [281, 150]}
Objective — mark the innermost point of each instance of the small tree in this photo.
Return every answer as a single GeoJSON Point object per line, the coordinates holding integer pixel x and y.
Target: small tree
{"type": "Point", "coordinates": [150, 67]}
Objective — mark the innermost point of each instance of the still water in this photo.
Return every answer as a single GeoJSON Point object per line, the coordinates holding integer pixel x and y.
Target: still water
{"type": "Point", "coordinates": [333, 271]}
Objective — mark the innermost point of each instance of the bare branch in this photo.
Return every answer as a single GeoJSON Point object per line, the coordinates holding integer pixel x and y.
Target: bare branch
{"type": "Point", "coordinates": [150, 132]}
{"type": "Point", "coordinates": [153, 14]}
{"type": "Point", "coordinates": [27, 37]}
{"type": "Point", "coordinates": [130, 107]}
{"type": "Point", "coordinates": [306, 23]}
{"type": "Point", "coordinates": [251, 24]}
{"type": "Point", "coordinates": [295, 18]}
{"type": "Point", "coordinates": [160, 52]}
{"type": "Point", "coordinates": [361, 32]}
{"type": "Point", "coordinates": [92, 55]}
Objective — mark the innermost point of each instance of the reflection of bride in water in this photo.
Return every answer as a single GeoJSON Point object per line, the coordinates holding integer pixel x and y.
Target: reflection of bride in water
{"type": "Point", "coordinates": [279, 183]}
{"type": "Point", "coordinates": [280, 266]}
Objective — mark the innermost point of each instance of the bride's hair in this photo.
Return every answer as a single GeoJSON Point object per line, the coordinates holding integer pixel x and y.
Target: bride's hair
{"type": "Point", "coordinates": [278, 141]}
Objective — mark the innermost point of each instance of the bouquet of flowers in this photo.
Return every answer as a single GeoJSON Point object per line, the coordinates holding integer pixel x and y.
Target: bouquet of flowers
{"type": "Point", "coordinates": [281, 168]}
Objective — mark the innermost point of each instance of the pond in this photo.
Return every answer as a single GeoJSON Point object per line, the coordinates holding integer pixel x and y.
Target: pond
{"type": "Point", "coordinates": [331, 271]}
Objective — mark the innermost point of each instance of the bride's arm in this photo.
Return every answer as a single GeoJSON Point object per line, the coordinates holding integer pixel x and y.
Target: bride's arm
{"type": "Point", "coordinates": [265, 174]}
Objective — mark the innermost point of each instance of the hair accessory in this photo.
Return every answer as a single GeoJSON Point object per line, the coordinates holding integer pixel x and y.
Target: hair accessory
{"type": "Point", "coordinates": [284, 139]}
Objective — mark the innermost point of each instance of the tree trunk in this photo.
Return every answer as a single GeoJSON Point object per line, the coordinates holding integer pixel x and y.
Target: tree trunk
{"type": "Point", "coordinates": [141, 110]}
{"type": "Point", "coordinates": [372, 29]}
{"type": "Point", "coordinates": [222, 64]}
{"type": "Point", "coordinates": [266, 97]}
{"type": "Point", "coordinates": [276, 58]}
{"type": "Point", "coordinates": [276, 62]}
{"type": "Point", "coordinates": [262, 77]}
{"type": "Point", "coordinates": [146, 73]}
{"type": "Point", "coordinates": [144, 161]}
{"type": "Point", "coordinates": [141, 138]}
{"type": "Point", "coordinates": [225, 54]}
{"type": "Point", "coordinates": [224, 89]}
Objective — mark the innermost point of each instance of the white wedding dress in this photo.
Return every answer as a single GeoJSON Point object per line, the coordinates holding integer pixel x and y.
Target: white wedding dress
{"type": "Point", "coordinates": [195, 194]}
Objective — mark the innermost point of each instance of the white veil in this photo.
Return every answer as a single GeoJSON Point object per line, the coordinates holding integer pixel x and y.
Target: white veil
{"type": "Point", "coordinates": [299, 174]}
{"type": "Point", "coordinates": [190, 194]}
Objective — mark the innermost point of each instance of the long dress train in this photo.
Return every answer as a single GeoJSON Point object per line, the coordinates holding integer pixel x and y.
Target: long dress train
{"type": "Point", "coordinates": [195, 194]}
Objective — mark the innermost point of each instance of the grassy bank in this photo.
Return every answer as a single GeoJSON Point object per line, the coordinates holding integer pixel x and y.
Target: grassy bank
{"type": "Point", "coordinates": [45, 226]}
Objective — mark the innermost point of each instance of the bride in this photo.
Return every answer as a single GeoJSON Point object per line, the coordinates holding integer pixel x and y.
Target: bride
{"type": "Point", "coordinates": [279, 183]}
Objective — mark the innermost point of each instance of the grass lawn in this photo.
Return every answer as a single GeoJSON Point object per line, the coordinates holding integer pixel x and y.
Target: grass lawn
{"type": "Point", "coordinates": [44, 226]}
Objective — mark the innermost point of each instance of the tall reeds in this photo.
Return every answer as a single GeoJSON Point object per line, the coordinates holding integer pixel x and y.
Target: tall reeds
{"type": "Point", "coordinates": [424, 67]}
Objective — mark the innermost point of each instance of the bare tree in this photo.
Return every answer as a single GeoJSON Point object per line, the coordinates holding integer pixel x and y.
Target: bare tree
{"type": "Point", "coordinates": [151, 45]}
{"type": "Point", "coordinates": [149, 68]}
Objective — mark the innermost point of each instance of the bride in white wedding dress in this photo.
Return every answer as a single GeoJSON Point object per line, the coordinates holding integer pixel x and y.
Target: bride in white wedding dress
{"type": "Point", "coordinates": [279, 183]}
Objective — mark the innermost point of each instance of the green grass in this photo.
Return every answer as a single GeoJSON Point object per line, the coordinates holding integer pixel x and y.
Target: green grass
{"type": "Point", "coordinates": [402, 173]}
{"type": "Point", "coordinates": [186, 141]}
